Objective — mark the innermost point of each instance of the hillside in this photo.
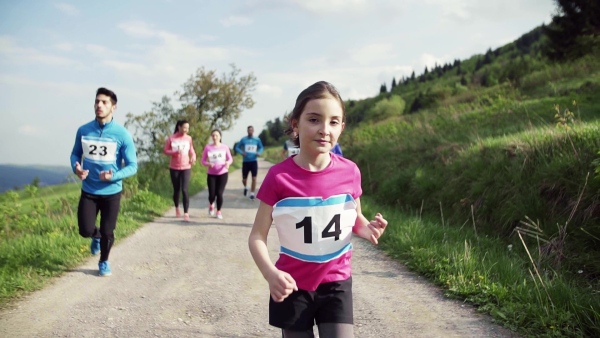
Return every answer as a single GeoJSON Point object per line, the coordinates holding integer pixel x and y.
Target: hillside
{"type": "Point", "coordinates": [17, 176]}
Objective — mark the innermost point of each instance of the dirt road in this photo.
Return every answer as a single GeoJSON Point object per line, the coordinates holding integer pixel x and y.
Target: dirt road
{"type": "Point", "coordinates": [197, 279]}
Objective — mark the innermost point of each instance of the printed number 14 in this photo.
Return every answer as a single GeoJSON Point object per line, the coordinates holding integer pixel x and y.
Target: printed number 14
{"type": "Point", "coordinates": [306, 223]}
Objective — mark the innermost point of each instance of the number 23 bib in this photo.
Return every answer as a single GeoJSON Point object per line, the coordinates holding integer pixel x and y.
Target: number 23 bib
{"type": "Point", "coordinates": [315, 230]}
{"type": "Point", "coordinates": [99, 149]}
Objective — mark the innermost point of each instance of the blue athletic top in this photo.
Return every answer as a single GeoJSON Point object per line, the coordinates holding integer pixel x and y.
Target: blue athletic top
{"type": "Point", "coordinates": [101, 148]}
{"type": "Point", "coordinates": [337, 149]}
{"type": "Point", "coordinates": [252, 146]}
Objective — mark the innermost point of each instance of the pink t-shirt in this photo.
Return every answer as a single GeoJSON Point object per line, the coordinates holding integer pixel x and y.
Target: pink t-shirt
{"type": "Point", "coordinates": [219, 156]}
{"type": "Point", "coordinates": [180, 160]}
{"type": "Point", "coordinates": [314, 213]}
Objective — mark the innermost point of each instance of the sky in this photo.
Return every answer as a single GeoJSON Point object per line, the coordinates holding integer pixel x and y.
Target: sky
{"type": "Point", "coordinates": [55, 54]}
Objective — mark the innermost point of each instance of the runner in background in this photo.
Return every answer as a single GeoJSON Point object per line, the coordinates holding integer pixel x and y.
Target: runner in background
{"type": "Point", "coordinates": [101, 147]}
{"type": "Point", "coordinates": [217, 158]}
{"type": "Point", "coordinates": [289, 149]}
{"type": "Point", "coordinates": [250, 147]}
{"type": "Point", "coordinates": [181, 149]}
{"type": "Point", "coordinates": [337, 150]}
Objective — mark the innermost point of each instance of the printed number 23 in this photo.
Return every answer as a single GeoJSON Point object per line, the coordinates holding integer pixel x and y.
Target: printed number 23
{"type": "Point", "coordinates": [306, 223]}
{"type": "Point", "coordinates": [94, 148]}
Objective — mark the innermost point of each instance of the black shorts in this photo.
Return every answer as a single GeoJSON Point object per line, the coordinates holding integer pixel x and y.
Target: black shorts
{"type": "Point", "coordinates": [249, 167]}
{"type": "Point", "coordinates": [330, 303]}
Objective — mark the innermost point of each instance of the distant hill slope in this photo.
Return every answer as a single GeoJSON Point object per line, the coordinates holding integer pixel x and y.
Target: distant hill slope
{"type": "Point", "coordinates": [12, 176]}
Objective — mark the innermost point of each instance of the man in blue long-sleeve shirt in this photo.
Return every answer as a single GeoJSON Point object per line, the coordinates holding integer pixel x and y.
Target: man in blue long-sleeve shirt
{"type": "Point", "coordinates": [250, 147]}
{"type": "Point", "coordinates": [101, 147]}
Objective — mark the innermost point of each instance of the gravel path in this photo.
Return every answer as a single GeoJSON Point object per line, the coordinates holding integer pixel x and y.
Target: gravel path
{"type": "Point", "coordinates": [197, 279]}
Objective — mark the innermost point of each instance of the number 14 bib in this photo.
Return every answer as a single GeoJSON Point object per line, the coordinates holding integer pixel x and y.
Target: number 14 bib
{"type": "Point", "coordinates": [315, 230]}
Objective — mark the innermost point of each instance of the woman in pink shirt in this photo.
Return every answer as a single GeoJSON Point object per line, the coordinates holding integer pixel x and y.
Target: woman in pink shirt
{"type": "Point", "coordinates": [181, 149]}
{"type": "Point", "coordinates": [217, 158]}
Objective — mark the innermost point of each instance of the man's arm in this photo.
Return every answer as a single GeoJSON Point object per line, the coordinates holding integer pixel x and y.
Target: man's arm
{"type": "Point", "coordinates": [130, 157]}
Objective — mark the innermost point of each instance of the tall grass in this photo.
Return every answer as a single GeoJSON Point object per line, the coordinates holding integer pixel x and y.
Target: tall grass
{"type": "Point", "coordinates": [498, 278]}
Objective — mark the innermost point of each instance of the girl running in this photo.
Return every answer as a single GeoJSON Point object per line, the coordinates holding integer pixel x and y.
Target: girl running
{"type": "Point", "coordinates": [313, 199]}
{"type": "Point", "coordinates": [217, 158]}
{"type": "Point", "coordinates": [181, 149]}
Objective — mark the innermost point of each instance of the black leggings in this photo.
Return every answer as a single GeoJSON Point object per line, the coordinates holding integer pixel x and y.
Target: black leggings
{"type": "Point", "coordinates": [181, 180]}
{"type": "Point", "coordinates": [216, 186]}
{"type": "Point", "coordinates": [108, 206]}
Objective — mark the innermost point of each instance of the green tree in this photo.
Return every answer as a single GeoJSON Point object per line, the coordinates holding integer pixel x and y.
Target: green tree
{"type": "Point", "coordinates": [382, 89]}
{"type": "Point", "coordinates": [208, 102]}
{"type": "Point", "coordinates": [574, 30]}
{"type": "Point", "coordinates": [35, 182]}
{"type": "Point", "coordinates": [392, 106]}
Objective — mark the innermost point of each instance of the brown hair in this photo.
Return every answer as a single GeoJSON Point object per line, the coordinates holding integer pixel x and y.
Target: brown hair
{"type": "Point", "coordinates": [318, 90]}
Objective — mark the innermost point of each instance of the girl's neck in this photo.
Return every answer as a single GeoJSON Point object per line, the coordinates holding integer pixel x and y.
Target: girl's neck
{"type": "Point", "coordinates": [217, 143]}
{"type": "Point", "coordinates": [311, 162]}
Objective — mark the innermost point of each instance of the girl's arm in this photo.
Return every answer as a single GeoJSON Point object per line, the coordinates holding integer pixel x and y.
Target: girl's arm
{"type": "Point", "coordinates": [281, 284]}
{"type": "Point", "coordinates": [167, 149]}
{"type": "Point", "coordinates": [228, 157]}
{"type": "Point", "coordinates": [192, 152]}
{"type": "Point", "coordinates": [366, 229]}
{"type": "Point", "coordinates": [204, 160]}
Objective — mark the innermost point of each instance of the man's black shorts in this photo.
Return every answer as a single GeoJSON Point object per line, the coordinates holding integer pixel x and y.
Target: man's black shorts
{"type": "Point", "coordinates": [249, 167]}
{"type": "Point", "coordinates": [330, 303]}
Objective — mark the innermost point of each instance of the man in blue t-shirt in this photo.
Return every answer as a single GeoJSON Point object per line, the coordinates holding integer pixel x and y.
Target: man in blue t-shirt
{"type": "Point", "coordinates": [250, 147]}
{"type": "Point", "coordinates": [102, 156]}
{"type": "Point", "coordinates": [337, 150]}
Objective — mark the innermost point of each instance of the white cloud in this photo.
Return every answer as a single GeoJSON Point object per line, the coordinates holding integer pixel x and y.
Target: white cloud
{"type": "Point", "coordinates": [17, 54]}
{"type": "Point", "coordinates": [236, 21]}
{"type": "Point", "coordinates": [331, 6]}
{"type": "Point", "coordinates": [64, 47]}
{"type": "Point", "coordinates": [373, 53]}
{"type": "Point", "coordinates": [66, 8]}
{"type": "Point", "coordinates": [172, 55]}
{"type": "Point", "coordinates": [92, 48]}
{"type": "Point", "coordinates": [129, 67]}
{"type": "Point", "coordinates": [29, 130]}
{"type": "Point", "coordinates": [271, 90]}
{"type": "Point", "coordinates": [138, 29]}
{"type": "Point", "coordinates": [429, 61]}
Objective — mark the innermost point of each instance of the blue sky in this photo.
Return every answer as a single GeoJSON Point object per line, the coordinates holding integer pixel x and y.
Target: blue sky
{"type": "Point", "coordinates": [55, 54]}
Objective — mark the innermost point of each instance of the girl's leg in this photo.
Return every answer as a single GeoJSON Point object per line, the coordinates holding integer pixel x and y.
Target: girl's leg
{"type": "Point", "coordinates": [211, 182]}
{"type": "Point", "coordinates": [221, 183]}
{"type": "Point", "coordinates": [336, 330]}
{"type": "Point", "coordinates": [185, 182]}
{"type": "Point", "coordinates": [176, 186]}
{"type": "Point", "coordinates": [299, 334]}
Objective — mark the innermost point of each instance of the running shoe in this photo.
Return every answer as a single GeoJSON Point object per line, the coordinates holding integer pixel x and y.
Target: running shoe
{"type": "Point", "coordinates": [219, 215]}
{"type": "Point", "coordinates": [245, 191]}
{"type": "Point", "coordinates": [251, 195]}
{"type": "Point", "coordinates": [177, 213]}
{"type": "Point", "coordinates": [95, 246]}
{"type": "Point", "coordinates": [104, 269]}
{"type": "Point", "coordinates": [186, 217]}
{"type": "Point", "coordinates": [211, 210]}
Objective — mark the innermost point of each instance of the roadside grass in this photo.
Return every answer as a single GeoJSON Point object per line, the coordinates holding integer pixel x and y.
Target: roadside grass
{"type": "Point", "coordinates": [498, 279]}
{"type": "Point", "coordinates": [273, 154]}
{"type": "Point", "coordinates": [39, 237]}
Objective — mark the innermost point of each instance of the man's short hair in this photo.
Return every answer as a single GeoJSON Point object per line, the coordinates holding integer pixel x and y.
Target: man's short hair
{"type": "Point", "coordinates": [109, 93]}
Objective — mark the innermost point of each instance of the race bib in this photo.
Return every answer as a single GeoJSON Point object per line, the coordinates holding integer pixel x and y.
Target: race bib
{"type": "Point", "coordinates": [180, 145]}
{"type": "Point", "coordinates": [293, 151]}
{"type": "Point", "coordinates": [250, 148]}
{"type": "Point", "coordinates": [216, 157]}
{"type": "Point", "coordinates": [99, 149]}
{"type": "Point", "coordinates": [315, 230]}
